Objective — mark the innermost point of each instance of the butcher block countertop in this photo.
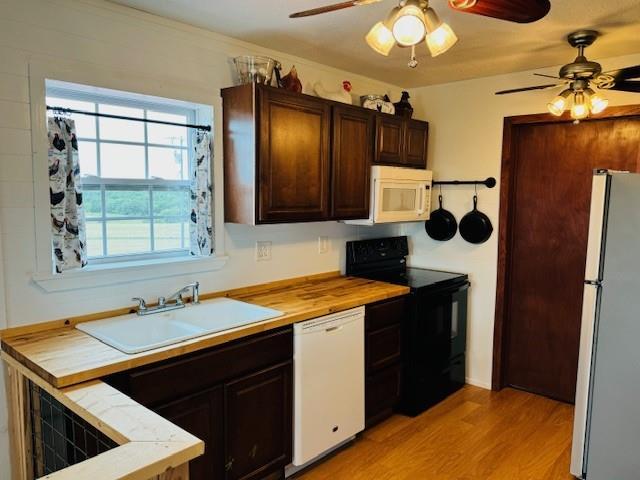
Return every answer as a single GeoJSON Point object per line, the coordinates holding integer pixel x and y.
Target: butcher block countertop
{"type": "Point", "coordinates": [64, 356]}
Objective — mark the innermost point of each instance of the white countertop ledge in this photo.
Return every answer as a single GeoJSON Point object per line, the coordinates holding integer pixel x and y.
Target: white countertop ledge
{"type": "Point", "coordinates": [125, 272]}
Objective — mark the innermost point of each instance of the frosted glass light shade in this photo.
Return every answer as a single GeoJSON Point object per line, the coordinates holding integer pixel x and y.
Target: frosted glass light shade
{"type": "Point", "coordinates": [580, 109]}
{"type": "Point", "coordinates": [598, 103]}
{"type": "Point", "coordinates": [409, 26]}
{"type": "Point", "coordinates": [440, 37]}
{"type": "Point", "coordinates": [559, 104]}
{"type": "Point", "coordinates": [441, 40]}
{"type": "Point", "coordinates": [380, 38]}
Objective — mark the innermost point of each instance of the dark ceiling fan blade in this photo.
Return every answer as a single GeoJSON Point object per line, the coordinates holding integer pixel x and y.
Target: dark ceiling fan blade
{"type": "Point", "coordinates": [526, 89]}
{"type": "Point", "coordinates": [519, 11]}
{"type": "Point", "coordinates": [332, 8]}
{"type": "Point", "coordinates": [626, 73]}
{"type": "Point", "coordinates": [627, 86]}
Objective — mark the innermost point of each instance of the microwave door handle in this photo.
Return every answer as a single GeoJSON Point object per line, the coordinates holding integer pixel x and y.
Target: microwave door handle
{"type": "Point", "coordinates": [423, 194]}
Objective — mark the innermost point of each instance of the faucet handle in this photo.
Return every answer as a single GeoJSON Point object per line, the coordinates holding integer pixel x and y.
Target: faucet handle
{"type": "Point", "coordinates": [142, 305]}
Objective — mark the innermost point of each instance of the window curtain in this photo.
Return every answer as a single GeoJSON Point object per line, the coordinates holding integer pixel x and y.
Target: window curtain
{"type": "Point", "coordinates": [65, 190]}
{"type": "Point", "coordinates": [200, 227]}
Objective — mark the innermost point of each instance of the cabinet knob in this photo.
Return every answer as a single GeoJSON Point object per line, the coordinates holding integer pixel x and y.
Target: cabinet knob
{"type": "Point", "coordinates": [253, 451]}
{"type": "Point", "coordinates": [229, 465]}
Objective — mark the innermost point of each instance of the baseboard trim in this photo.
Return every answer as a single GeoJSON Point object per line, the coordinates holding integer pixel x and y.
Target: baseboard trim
{"type": "Point", "coordinates": [478, 383]}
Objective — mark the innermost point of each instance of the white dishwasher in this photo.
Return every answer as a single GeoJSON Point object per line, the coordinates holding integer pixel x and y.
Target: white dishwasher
{"type": "Point", "coordinates": [329, 383]}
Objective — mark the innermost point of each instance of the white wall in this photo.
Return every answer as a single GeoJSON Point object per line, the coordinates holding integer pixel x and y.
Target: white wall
{"type": "Point", "coordinates": [154, 56]}
{"type": "Point", "coordinates": [465, 142]}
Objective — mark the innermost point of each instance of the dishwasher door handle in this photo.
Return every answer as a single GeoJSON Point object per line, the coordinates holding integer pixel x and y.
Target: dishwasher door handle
{"type": "Point", "coordinates": [333, 329]}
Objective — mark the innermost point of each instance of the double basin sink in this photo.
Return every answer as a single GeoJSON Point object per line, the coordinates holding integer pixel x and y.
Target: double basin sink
{"type": "Point", "coordinates": [134, 333]}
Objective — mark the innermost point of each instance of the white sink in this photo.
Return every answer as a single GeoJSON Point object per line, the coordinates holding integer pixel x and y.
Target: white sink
{"type": "Point", "coordinates": [134, 333]}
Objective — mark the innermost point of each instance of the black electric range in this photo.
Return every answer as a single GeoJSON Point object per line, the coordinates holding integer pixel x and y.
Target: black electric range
{"type": "Point", "coordinates": [435, 326]}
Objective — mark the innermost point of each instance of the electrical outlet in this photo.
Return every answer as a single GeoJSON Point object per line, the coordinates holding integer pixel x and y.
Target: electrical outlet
{"type": "Point", "coordinates": [263, 251]}
{"type": "Point", "coordinates": [323, 244]}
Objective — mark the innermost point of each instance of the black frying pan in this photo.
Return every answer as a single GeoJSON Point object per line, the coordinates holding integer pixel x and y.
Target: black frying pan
{"type": "Point", "coordinates": [442, 225]}
{"type": "Point", "coordinates": [475, 226]}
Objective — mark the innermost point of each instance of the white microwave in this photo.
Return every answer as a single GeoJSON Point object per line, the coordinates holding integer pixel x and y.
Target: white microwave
{"type": "Point", "coordinates": [398, 195]}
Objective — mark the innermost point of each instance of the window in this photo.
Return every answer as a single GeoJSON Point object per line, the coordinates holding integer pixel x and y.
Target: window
{"type": "Point", "coordinates": [135, 175]}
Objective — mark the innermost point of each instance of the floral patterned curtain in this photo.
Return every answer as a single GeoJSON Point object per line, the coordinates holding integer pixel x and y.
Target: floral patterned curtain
{"type": "Point", "coordinates": [201, 229]}
{"type": "Point", "coordinates": [65, 189]}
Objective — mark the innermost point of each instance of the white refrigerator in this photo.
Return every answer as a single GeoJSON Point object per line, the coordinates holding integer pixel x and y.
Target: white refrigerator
{"type": "Point", "coordinates": [606, 433]}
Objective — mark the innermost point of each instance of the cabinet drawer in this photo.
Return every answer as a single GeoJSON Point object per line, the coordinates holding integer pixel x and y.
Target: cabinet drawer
{"type": "Point", "coordinates": [383, 314]}
{"type": "Point", "coordinates": [383, 347]}
{"type": "Point", "coordinates": [178, 377]}
{"type": "Point", "coordinates": [382, 393]}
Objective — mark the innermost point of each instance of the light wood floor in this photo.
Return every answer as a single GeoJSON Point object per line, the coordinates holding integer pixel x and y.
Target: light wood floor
{"type": "Point", "coordinates": [474, 434]}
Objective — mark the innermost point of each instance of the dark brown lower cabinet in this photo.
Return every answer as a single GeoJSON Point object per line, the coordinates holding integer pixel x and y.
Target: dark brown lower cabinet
{"type": "Point", "coordinates": [383, 358]}
{"type": "Point", "coordinates": [258, 423]}
{"type": "Point", "coordinates": [382, 394]}
{"type": "Point", "coordinates": [236, 397]}
{"type": "Point", "coordinates": [200, 415]}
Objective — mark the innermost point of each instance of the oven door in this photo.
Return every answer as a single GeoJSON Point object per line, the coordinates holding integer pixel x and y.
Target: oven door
{"type": "Point", "coordinates": [443, 326]}
{"type": "Point", "coordinates": [401, 201]}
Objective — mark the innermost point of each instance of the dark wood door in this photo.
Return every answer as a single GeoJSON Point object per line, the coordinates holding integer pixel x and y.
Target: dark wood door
{"type": "Point", "coordinates": [352, 155]}
{"type": "Point", "coordinates": [201, 415]}
{"type": "Point", "coordinates": [293, 160]}
{"type": "Point", "coordinates": [549, 200]}
{"type": "Point", "coordinates": [416, 139]}
{"type": "Point", "coordinates": [258, 430]}
{"type": "Point", "coordinates": [389, 140]}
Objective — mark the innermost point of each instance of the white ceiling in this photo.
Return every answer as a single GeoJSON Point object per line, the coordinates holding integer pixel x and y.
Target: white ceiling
{"type": "Point", "coordinates": [486, 47]}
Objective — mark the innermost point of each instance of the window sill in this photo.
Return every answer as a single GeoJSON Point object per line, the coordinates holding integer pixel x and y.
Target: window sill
{"type": "Point", "coordinates": [102, 275]}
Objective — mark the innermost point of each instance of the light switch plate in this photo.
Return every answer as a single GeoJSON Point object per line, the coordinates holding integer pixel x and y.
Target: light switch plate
{"type": "Point", "coordinates": [323, 244]}
{"type": "Point", "coordinates": [263, 251]}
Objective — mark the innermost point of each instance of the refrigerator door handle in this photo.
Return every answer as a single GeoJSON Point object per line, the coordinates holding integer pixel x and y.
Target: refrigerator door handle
{"type": "Point", "coordinates": [590, 306]}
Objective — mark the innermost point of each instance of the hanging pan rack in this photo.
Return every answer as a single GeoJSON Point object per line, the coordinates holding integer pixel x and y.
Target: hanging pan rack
{"type": "Point", "coordinates": [489, 182]}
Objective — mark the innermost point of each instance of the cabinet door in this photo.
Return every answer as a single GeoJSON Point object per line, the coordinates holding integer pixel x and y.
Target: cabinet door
{"type": "Point", "coordinates": [383, 393]}
{"type": "Point", "coordinates": [416, 137]}
{"type": "Point", "coordinates": [352, 152]}
{"type": "Point", "coordinates": [293, 159]}
{"type": "Point", "coordinates": [389, 139]}
{"type": "Point", "coordinates": [258, 431]}
{"type": "Point", "coordinates": [201, 415]}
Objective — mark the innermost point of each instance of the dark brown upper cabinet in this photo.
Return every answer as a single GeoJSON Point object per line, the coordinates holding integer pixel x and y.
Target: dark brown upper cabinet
{"type": "Point", "coordinates": [401, 142]}
{"type": "Point", "coordinates": [416, 140]}
{"type": "Point", "coordinates": [293, 166]}
{"type": "Point", "coordinates": [290, 157]}
{"type": "Point", "coordinates": [353, 129]}
{"type": "Point", "coordinates": [389, 140]}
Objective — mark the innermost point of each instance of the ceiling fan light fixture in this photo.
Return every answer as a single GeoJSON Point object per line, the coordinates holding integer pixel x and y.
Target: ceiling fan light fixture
{"type": "Point", "coordinates": [380, 39]}
{"type": "Point", "coordinates": [597, 102]}
{"type": "Point", "coordinates": [409, 26]}
{"type": "Point", "coordinates": [559, 104]}
{"type": "Point", "coordinates": [441, 36]}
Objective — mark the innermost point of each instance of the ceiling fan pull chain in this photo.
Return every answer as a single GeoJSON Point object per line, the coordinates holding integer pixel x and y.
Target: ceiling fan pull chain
{"type": "Point", "coordinates": [413, 63]}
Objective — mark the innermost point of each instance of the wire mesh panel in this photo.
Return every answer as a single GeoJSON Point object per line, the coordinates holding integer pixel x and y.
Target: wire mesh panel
{"type": "Point", "coordinates": [60, 438]}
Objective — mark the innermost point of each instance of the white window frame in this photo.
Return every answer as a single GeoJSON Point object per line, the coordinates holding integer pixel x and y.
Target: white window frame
{"type": "Point", "coordinates": [70, 93]}
{"type": "Point", "coordinates": [143, 270]}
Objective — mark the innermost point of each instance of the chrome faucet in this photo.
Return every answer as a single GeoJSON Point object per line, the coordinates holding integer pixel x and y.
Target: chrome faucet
{"type": "Point", "coordinates": [195, 293]}
{"type": "Point", "coordinates": [174, 301]}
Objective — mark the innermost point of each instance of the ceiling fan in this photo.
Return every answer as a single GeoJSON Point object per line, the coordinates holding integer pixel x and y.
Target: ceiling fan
{"type": "Point", "coordinates": [582, 78]}
{"type": "Point", "coordinates": [414, 21]}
